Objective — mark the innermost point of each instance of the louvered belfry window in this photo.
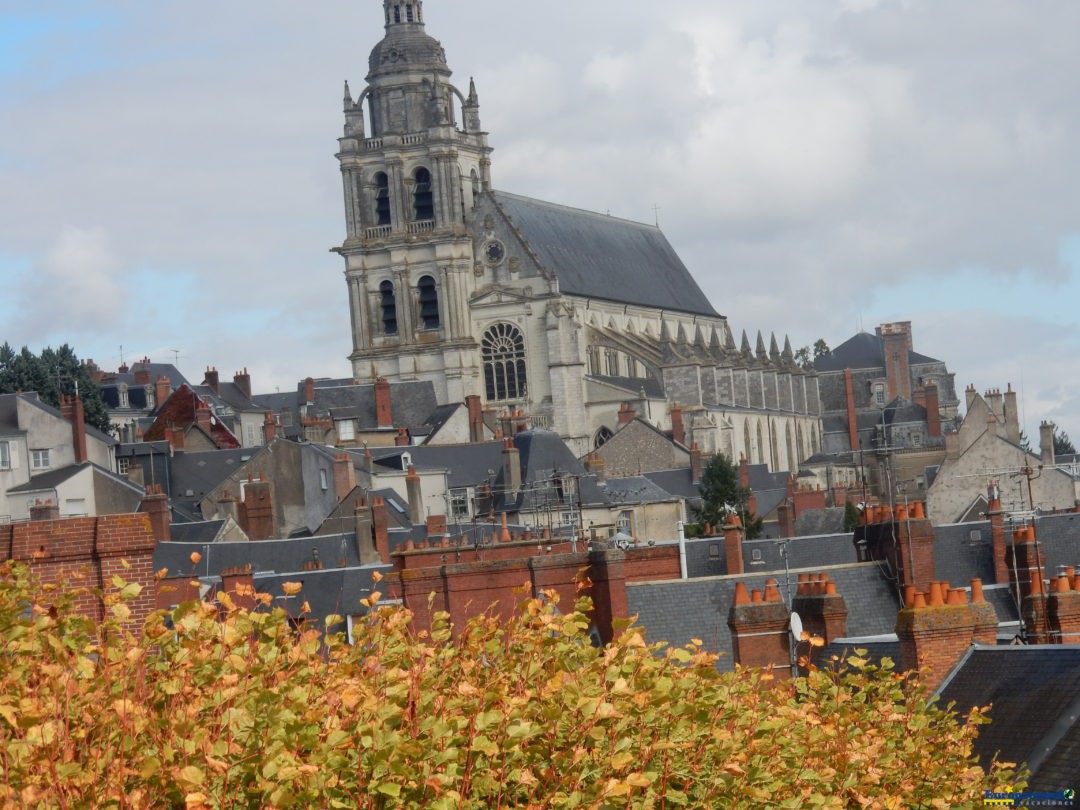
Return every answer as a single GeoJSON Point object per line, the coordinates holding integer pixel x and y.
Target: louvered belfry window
{"type": "Point", "coordinates": [429, 303]}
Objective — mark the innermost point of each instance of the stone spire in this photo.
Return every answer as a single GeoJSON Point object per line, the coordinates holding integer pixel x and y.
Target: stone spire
{"type": "Point", "coordinates": [761, 353]}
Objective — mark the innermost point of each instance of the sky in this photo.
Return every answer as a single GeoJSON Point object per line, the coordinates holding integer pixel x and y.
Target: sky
{"type": "Point", "coordinates": [168, 186]}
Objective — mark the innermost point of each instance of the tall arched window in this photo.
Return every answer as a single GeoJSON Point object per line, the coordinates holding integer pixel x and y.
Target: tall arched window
{"type": "Point", "coordinates": [760, 445]}
{"type": "Point", "coordinates": [503, 353]}
{"type": "Point", "coordinates": [429, 303]}
{"type": "Point", "coordinates": [382, 199]}
{"type": "Point", "coordinates": [746, 442]}
{"type": "Point", "coordinates": [389, 307]}
{"type": "Point", "coordinates": [601, 437]}
{"type": "Point", "coordinates": [793, 457]}
{"type": "Point", "coordinates": [423, 201]}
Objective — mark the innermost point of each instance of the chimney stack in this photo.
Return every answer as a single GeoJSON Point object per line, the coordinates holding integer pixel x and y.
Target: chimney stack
{"type": "Point", "coordinates": [594, 465]}
{"type": "Point", "coordinates": [211, 379]}
{"type": "Point", "coordinates": [162, 389]}
{"type": "Point", "coordinates": [733, 540]}
{"type": "Point", "coordinates": [365, 534]}
{"type": "Point", "coordinates": [269, 427]}
{"type": "Point", "coordinates": [257, 509]}
{"type": "Point", "coordinates": [44, 510]}
{"type": "Point", "coordinates": [141, 372]}
{"type": "Point", "coordinates": [71, 408]}
{"type": "Point", "coordinates": [759, 623]}
{"type": "Point", "coordinates": [344, 476]}
{"type": "Point", "coordinates": [697, 464]}
{"type": "Point", "coordinates": [852, 414]}
{"type": "Point", "coordinates": [511, 469]}
{"type": "Point", "coordinates": [896, 343]}
{"type": "Point", "coordinates": [678, 432]}
{"type": "Point", "coordinates": [242, 380]}
{"type": "Point", "coordinates": [1046, 442]}
{"type": "Point", "coordinates": [997, 532]}
{"type": "Point", "coordinates": [933, 410]}
{"type": "Point", "coordinates": [416, 501]}
{"type": "Point", "coordinates": [309, 391]}
{"type": "Point", "coordinates": [1012, 416]}
{"type": "Point", "coordinates": [937, 627]}
{"type": "Point", "coordinates": [380, 522]}
{"type": "Point", "coordinates": [384, 414]}
{"type": "Point", "coordinates": [626, 413]}
{"type": "Point", "coordinates": [476, 418]}
{"type": "Point", "coordinates": [155, 505]}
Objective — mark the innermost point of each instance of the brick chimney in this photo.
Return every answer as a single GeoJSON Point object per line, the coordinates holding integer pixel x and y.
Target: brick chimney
{"type": "Point", "coordinates": [401, 438]}
{"type": "Point", "coordinates": [384, 413]}
{"type": "Point", "coordinates": [627, 413]}
{"type": "Point", "coordinates": [96, 374]}
{"type": "Point", "coordinates": [344, 476]}
{"type": "Point", "coordinates": [678, 432]}
{"type": "Point", "coordinates": [1024, 559]}
{"type": "Point", "coordinates": [1063, 608]}
{"type": "Point", "coordinates": [44, 510]}
{"type": "Point", "coordinates": [416, 500]}
{"type": "Point", "coordinates": [997, 532]}
{"type": "Point", "coordinates": [141, 372]}
{"type": "Point", "coordinates": [822, 610]}
{"type": "Point", "coordinates": [476, 418]}
{"type": "Point", "coordinates": [211, 379]}
{"type": "Point", "coordinates": [607, 571]}
{"type": "Point", "coordinates": [162, 389]}
{"type": "Point", "coordinates": [936, 627]}
{"type": "Point", "coordinates": [380, 522]}
{"type": "Point", "coordinates": [852, 414]}
{"type": "Point", "coordinates": [933, 410]}
{"type": "Point", "coordinates": [915, 537]}
{"type": "Point", "coordinates": [594, 465]}
{"type": "Point", "coordinates": [970, 395]}
{"type": "Point", "coordinates": [1046, 442]}
{"type": "Point", "coordinates": [236, 580]}
{"type": "Point", "coordinates": [242, 380]}
{"type": "Point", "coordinates": [896, 343]}
{"type": "Point", "coordinates": [365, 535]}
{"type": "Point", "coordinates": [202, 414]}
{"type": "Point", "coordinates": [257, 510]}
{"type": "Point", "coordinates": [269, 427]}
{"type": "Point", "coordinates": [697, 464]}
{"type": "Point", "coordinates": [309, 391]}
{"type": "Point", "coordinates": [733, 540]}
{"type": "Point", "coordinates": [1012, 416]}
{"type": "Point", "coordinates": [760, 630]}
{"type": "Point", "coordinates": [785, 519]}
{"type": "Point", "coordinates": [511, 469]}
{"type": "Point", "coordinates": [71, 408]}
{"type": "Point", "coordinates": [155, 505]}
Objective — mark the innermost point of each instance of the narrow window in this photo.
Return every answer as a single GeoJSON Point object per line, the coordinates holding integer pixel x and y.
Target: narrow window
{"type": "Point", "coordinates": [123, 464]}
{"type": "Point", "coordinates": [503, 354]}
{"type": "Point", "coordinates": [39, 459]}
{"type": "Point", "coordinates": [423, 201]}
{"type": "Point", "coordinates": [408, 12]}
{"type": "Point", "coordinates": [346, 430]}
{"type": "Point", "coordinates": [429, 303]}
{"type": "Point", "coordinates": [389, 308]}
{"type": "Point", "coordinates": [397, 14]}
{"type": "Point", "coordinates": [5, 456]}
{"type": "Point", "coordinates": [382, 199]}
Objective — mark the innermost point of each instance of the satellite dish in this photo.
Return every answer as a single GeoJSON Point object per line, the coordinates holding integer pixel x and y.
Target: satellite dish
{"type": "Point", "coordinates": [796, 625]}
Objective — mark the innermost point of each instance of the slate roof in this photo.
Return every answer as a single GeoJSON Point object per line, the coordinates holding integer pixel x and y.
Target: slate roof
{"type": "Point", "coordinates": [605, 257]}
{"type": "Point", "coordinates": [50, 479]}
{"type": "Point", "coordinates": [631, 489]}
{"type": "Point", "coordinates": [802, 552]}
{"type": "Point", "coordinates": [228, 393]}
{"type": "Point", "coordinates": [820, 521]}
{"type": "Point", "coordinates": [677, 482]}
{"type": "Point", "coordinates": [632, 385]}
{"type": "Point", "coordinates": [863, 350]}
{"type": "Point", "coordinates": [336, 588]}
{"type": "Point", "coordinates": [677, 610]}
{"type": "Point", "coordinates": [9, 415]}
{"type": "Point", "coordinates": [412, 403]}
{"type": "Point", "coordinates": [178, 411]}
{"type": "Point", "coordinates": [203, 531]}
{"type": "Point", "coordinates": [1035, 696]}
{"type": "Point", "coordinates": [199, 473]}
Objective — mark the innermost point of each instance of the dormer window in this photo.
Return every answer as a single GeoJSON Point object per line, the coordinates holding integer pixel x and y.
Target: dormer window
{"type": "Point", "coordinates": [406, 461]}
{"type": "Point", "coordinates": [122, 391]}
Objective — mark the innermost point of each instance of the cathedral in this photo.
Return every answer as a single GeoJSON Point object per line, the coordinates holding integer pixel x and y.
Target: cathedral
{"type": "Point", "coordinates": [568, 316]}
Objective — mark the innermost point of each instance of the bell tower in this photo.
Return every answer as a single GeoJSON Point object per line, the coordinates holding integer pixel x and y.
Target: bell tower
{"type": "Point", "coordinates": [414, 160]}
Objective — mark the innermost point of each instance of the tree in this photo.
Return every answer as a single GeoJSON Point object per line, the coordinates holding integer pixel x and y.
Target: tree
{"type": "Point", "coordinates": [721, 494]}
{"type": "Point", "coordinates": [852, 516]}
{"type": "Point", "coordinates": [214, 705]}
{"type": "Point", "coordinates": [807, 356]}
{"type": "Point", "coordinates": [1063, 446]}
{"type": "Point", "coordinates": [50, 374]}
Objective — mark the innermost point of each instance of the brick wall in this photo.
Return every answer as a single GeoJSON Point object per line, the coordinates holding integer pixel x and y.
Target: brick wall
{"type": "Point", "coordinates": [88, 551]}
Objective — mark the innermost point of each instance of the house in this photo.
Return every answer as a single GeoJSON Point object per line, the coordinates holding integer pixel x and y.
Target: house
{"type": "Point", "coordinates": [187, 421]}
{"type": "Point", "coordinates": [987, 445]}
{"type": "Point", "coordinates": [52, 455]}
{"type": "Point", "coordinates": [132, 394]}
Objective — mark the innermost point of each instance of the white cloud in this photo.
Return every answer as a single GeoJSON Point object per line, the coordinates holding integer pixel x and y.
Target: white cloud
{"type": "Point", "coordinates": [74, 286]}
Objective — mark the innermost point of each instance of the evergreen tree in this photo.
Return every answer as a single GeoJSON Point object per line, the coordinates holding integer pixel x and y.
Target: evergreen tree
{"type": "Point", "coordinates": [851, 516]}
{"type": "Point", "coordinates": [1063, 446]}
{"type": "Point", "coordinates": [721, 494]}
{"type": "Point", "coordinates": [52, 373]}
